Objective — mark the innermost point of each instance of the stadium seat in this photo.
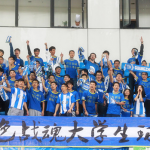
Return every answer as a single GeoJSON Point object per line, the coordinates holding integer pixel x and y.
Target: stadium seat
{"type": "Point", "coordinates": [122, 65]}
{"type": "Point", "coordinates": [82, 66]}
{"type": "Point", "coordinates": [26, 63]}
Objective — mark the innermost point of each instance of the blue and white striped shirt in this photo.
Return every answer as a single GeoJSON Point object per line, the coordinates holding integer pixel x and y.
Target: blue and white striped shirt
{"type": "Point", "coordinates": [139, 108]}
{"type": "Point", "coordinates": [65, 100]}
{"type": "Point", "coordinates": [18, 98]}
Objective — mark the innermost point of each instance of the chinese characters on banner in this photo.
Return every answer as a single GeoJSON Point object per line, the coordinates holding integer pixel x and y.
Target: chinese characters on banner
{"type": "Point", "coordinates": [74, 131]}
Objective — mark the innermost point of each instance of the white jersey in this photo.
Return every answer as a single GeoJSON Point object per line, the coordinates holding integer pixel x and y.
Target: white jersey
{"type": "Point", "coordinates": [18, 97]}
{"type": "Point", "coordinates": [54, 63]}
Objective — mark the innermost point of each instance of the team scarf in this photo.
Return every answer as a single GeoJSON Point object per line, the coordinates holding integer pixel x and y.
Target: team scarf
{"type": "Point", "coordinates": [134, 67]}
{"type": "Point", "coordinates": [3, 94]}
{"type": "Point", "coordinates": [80, 54]}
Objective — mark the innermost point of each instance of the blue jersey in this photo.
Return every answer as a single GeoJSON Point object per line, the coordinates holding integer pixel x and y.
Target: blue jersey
{"type": "Point", "coordinates": [76, 96]}
{"type": "Point", "coordinates": [91, 67]}
{"type": "Point", "coordinates": [116, 71]}
{"type": "Point", "coordinates": [71, 67]}
{"type": "Point", "coordinates": [17, 62]}
{"type": "Point", "coordinates": [51, 101]}
{"type": "Point", "coordinates": [65, 101]}
{"type": "Point", "coordinates": [11, 83]}
{"type": "Point", "coordinates": [114, 108]}
{"type": "Point", "coordinates": [90, 100]}
{"type": "Point", "coordinates": [18, 76]}
{"type": "Point", "coordinates": [33, 58]}
{"type": "Point", "coordinates": [133, 59]}
{"type": "Point", "coordinates": [139, 108]}
{"type": "Point", "coordinates": [59, 81]}
{"type": "Point", "coordinates": [35, 98]}
{"type": "Point", "coordinates": [101, 89]}
{"type": "Point", "coordinates": [127, 105]}
{"type": "Point", "coordinates": [139, 74]}
{"type": "Point", "coordinates": [15, 68]}
{"type": "Point", "coordinates": [18, 98]}
{"type": "Point", "coordinates": [48, 86]}
{"type": "Point", "coordinates": [145, 84]}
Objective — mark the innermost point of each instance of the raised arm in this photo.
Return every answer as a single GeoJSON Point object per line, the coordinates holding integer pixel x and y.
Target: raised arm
{"type": "Point", "coordinates": [28, 84]}
{"type": "Point", "coordinates": [7, 89]}
{"type": "Point", "coordinates": [111, 75]}
{"type": "Point", "coordinates": [133, 74]}
{"type": "Point", "coordinates": [61, 56]}
{"type": "Point", "coordinates": [142, 46]}
{"type": "Point", "coordinates": [43, 84]}
{"type": "Point", "coordinates": [28, 47]}
{"type": "Point", "coordinates": [11, 48]}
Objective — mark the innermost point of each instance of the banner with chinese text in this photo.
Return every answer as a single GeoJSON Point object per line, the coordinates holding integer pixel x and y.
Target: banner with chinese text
{"type": "Point", "coordinates": [74, 131]}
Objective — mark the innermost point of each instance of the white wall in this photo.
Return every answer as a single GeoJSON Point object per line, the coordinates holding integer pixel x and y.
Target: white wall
{"type": "Point", "coordinates": [101, 35]}
{"type": "Point", "coordinates": [103, 13]}
{"type": "Point", "coordinates": [131, 39]}
{"type": "Point", "coordinates": [7, 15]}
{"type": "Point", "coordinates": [104, 39]}
{"type": "Point", "coordinates": [63, 39]}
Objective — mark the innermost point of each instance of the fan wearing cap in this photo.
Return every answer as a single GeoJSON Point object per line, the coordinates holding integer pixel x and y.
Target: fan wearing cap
{"type": "Point", "coordinates": [77, 22]}
{"type": "Point", "coordinates": [36, 55]}
{"type": "Point", "coordinates": [15, 53]}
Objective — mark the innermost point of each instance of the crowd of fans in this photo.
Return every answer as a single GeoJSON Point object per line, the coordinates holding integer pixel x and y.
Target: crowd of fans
{"type": "Point", "coordinates": [98, 90]}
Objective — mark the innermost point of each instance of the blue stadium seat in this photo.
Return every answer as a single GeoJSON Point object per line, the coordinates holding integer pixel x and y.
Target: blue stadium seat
{"type": "Point", "coordinates": [82, 66]}
{"type": "Point", "coordinates": [62, 70]}
{"type": "Point", "coordinates": [126, 73]}
{"type": "Point", "coordinates": [149, 64]}
{"type": "Point", "coordinates": [2, 113]}
{"type": "Point", "coordinates": [148, 79]}
{"type": "Point", "coordinates": [26, 63]}
{"type": "Point", "coordinates": [122, 65]}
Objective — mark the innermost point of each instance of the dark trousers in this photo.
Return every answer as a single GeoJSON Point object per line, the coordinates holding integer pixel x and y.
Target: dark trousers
{"type": "Point", "coordinates": [131, 83]}
{"type": "Point", "coordinates": [6, 106]}
{"type": "Point", "coordinates": [49, 113]}
{"type": "Point", "coordinates": [147, 108]}
{"type": "Point", "coordinates": [112, 115]}
{"type": "Point", "coordinates": [101, 109]}
{"type": "Point", "coordinates": [80, 110]}
{"type": "Point", "coordinates": [74, 80]}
